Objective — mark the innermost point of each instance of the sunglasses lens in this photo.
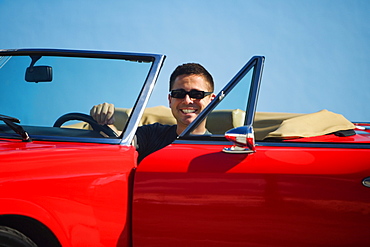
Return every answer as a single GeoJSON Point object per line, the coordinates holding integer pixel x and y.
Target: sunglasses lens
{"type": "Point", "coordinates": [195, 94]}
{"type": "Point", "coordinates": [179, 94]}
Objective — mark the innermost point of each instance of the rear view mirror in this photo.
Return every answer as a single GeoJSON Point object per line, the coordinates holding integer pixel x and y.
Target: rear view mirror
{"type": "Point", "coordinates": [39, 74]}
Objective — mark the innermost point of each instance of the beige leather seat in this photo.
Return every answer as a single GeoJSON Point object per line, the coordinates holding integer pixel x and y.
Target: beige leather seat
{"type": "Point", "coordinates": [218, 122]}
{"type": "Point", "coordinates": [266, 124]}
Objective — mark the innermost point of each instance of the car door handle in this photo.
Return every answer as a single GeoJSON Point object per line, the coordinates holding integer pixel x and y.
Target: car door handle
{"type": "Point", "coordinates": [366, 182]}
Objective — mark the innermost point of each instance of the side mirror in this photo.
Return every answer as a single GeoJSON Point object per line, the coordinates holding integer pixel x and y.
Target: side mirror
{"type": "Point", "coordinates": [243, 139]}
{"type": "Point", "coordinates": [39, 74]}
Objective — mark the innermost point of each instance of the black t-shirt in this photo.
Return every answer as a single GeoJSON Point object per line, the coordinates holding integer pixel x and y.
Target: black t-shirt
{"type": "Point", "coordinates": [152, 137]}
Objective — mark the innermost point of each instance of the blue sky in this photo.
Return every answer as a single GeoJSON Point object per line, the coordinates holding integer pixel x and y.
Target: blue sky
{"type": "Point", "coordinates": [317, 51]}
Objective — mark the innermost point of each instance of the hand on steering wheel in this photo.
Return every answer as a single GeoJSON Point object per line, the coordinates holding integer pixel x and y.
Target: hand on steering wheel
{"type": "Point", "coordinates": [86, 118]}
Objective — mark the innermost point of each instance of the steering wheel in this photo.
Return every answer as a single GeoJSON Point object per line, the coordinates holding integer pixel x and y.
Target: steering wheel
{"type": "Point", "coordinates": [86, 118]}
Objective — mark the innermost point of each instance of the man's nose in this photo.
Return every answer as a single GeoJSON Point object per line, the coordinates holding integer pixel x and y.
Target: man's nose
{"type": "Point", "coordinates": [187, 99]}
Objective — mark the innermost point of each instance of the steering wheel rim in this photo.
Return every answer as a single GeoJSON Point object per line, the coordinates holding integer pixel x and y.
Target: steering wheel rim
{"type": "Point", "coordinates": [86, 118]}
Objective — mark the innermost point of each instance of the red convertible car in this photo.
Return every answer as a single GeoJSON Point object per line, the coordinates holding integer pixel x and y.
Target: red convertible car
{"type": "Point", "coordinates": [260, 179]}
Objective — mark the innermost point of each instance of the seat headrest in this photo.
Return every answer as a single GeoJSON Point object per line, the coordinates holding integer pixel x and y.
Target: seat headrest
{"type": "Point", "coordinates": [156, 114]}
{"type": "Point", "coordinates": [220, 121]}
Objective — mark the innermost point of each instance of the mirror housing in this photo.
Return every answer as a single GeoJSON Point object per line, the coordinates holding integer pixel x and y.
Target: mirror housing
{"type": "Point", "coordinates": [243, 139]}
{"type": "Point", "coordinates": [39, 74]}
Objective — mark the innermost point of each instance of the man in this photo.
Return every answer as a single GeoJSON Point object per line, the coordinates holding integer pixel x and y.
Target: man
{"type": "Point", "coordinates": [191, 90]}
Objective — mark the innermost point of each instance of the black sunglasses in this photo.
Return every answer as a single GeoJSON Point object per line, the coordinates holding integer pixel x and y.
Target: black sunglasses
{"type": "Point", "coordinates": [193, 94]}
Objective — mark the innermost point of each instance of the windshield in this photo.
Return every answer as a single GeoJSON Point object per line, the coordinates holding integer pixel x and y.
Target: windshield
{"type": "Point", "coordinates": [37, 90]}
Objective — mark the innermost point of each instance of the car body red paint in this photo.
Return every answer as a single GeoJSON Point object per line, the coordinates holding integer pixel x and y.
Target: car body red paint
{"type": "Point", "coordinates": [75, 189]}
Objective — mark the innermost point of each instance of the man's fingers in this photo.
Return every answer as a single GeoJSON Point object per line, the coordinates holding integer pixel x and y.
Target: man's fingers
{"type": "Point", "coordinates": [103, 113]}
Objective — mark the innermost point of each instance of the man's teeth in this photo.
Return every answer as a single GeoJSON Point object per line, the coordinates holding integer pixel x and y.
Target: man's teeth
{"type": "Point", "coordinates": [188, 111]}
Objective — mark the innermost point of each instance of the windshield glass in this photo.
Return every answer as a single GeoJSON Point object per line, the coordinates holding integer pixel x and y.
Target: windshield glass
{"type": "Point", "coordinates": [75, 85]}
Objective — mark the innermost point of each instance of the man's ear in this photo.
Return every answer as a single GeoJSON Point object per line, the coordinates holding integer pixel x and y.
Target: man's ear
{"type": "Point", "coordinates": [169, 100]}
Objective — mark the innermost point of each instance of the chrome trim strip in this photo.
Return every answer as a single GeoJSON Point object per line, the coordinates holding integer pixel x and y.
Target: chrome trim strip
{"type": "Point", "coordinates": [254, 91]}
{"type": "Point", "coordinates": [209, 141]}
{"type": "Point", "coordinates": [202, 142]}
{"type": "Point", "coordinates": [138, 109]}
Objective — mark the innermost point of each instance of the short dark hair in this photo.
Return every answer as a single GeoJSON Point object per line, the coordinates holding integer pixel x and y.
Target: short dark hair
{"type": "Point", "coordinates": [191, 69]}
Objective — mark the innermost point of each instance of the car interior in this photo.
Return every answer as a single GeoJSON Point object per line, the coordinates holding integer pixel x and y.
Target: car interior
{"type": "Point", "coordinates": [266, 125]}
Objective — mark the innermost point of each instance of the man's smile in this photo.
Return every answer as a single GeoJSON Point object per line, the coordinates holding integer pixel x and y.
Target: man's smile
{"type": "Point", "coordinates": [188, 110]}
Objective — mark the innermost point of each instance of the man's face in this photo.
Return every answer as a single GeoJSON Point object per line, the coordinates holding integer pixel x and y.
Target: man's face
{"type": "Point", "coordinates": [187, 109]}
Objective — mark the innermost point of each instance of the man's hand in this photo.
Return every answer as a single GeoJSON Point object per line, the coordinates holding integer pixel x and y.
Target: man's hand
{"type": "Point", "coordinates": [103, 113]}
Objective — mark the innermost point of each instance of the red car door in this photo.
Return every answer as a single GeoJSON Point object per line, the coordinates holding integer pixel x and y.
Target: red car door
{"type": "Point", "coordinates": [193, 194]}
